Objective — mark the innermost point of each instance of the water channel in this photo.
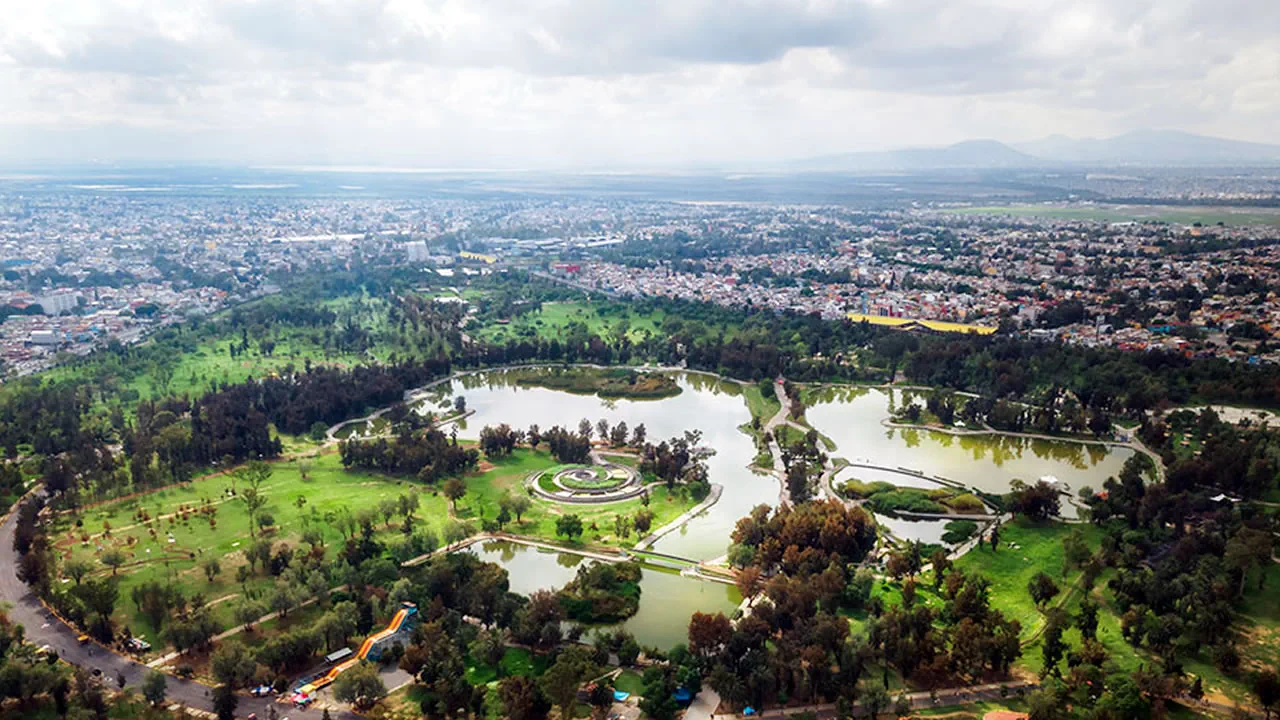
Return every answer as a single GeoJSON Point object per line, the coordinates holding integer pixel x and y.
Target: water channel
{"type": "Point", "coordinates": [850, 417]}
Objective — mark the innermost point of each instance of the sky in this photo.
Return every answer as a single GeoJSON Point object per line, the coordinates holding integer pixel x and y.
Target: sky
{"type": "Point", "coordinates": [615, 83]}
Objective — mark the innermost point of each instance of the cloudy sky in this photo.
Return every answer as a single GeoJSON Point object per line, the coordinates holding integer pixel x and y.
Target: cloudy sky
{"type": "Point", "coordinates": [615, 83]}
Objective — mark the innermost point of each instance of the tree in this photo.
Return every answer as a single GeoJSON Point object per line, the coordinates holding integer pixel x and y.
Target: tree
{"type": "Point", "coordinates": [247, 612]}
{"type": "Point", "coordinates": [319, 431]}
{"type": "Point", "coordinates": [1053, 647]}
{"type": "Point", "coordinates": [211, 568]}
{"type": "Point", "coordinates": [749, 582]}
{"type": "Point", "coordinates": [360, 685]}
{"type": "Point", "coordinates": [154, 686]}
{"type": "Point", "coordinates": [454, 489]}
{"type": "Point", "coordinates": [520, 505]}
{"type": "Point", "coordinates": [708, 633]}
{"type": "Point", "coordinates": [941, 564]}
{"type": "Point", "coordinates": [232, 665]}
{"type": "Point", "coordinates": [1087, 619]}
{"type": "Point", "coordinates": [1042, 589]}
{"type": "Point", "coordinates": [643, 520]}
{"type": "Point", "coordinates": [113, 559]}
{"type": "Point", "coordinates": [1038, 502]}
{"type": "Point", "coordinates": [522, 699]}
{"type": "Point", "coordinates": [1044, 704]}
{"type": "Point", "coordinates": [875, 700]}
{"type": "Point", "coordinates": [253, 501]}
{"type": "Point", "coordinates": [1075, 550]}
{"type": "Point", "coordinates": [76, 569]}
{"type": "Point", "coordinates": [561, 680]}
{"type": "Point", "coordinates": [569, 526]}
{"type": "Point", "coordinates": [225, 701]}
{"type": "Point", "coordinates": [251, 476]}
{"type": "Point", "coordinates": [489, 647]}
{"type": "Point", "coordinates": [1266, 686]}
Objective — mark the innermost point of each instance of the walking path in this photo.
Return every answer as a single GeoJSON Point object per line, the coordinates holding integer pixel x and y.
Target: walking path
{"type": "Point", "coordinates": [43, 627]}
{"type": "Point", "coordinates": [1135, 444]}
{"type": "Point", "coordinates": [712, 498]}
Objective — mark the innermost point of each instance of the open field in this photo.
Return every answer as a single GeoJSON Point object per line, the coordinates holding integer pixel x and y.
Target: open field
{"type": "Point", "coordinates": [1040, 548]}
{"type": "Point", "coordinates": [1025, 550]}
{"type": "Point", "coordinates": [1139, 213]}
{"type": "Point", "coordinates": [508, 475]}
{"type": "Point", "coordinates": [554, 319]}
{"type": "Point", "coordinates": [171, 544]}
{"type": "Point", "coordinates": [176, 550]}
{"type": "Point", "coordinates": [210, 362]}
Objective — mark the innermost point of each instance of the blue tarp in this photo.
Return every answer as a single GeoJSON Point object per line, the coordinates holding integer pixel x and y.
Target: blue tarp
{"type": "Point", "coordinates": [683, 695]}
{"type": "Point", "coordinates": [620, 696]}
{"type": "Point", "coordinates": [748, 710]}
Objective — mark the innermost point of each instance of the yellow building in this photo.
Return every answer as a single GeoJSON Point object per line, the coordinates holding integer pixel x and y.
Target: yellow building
{"type": "Point", "coordinates": [479, 257]}
{"type": "Point", "coordinates": [941, 326]}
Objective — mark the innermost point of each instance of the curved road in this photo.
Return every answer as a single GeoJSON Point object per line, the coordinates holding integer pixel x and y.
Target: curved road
{"type": "Point", "coordinates": [42, 628]}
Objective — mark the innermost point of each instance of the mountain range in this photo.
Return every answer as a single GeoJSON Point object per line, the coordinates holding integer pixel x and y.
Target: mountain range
{"type": "Point", "coordinates": [1140, 148]}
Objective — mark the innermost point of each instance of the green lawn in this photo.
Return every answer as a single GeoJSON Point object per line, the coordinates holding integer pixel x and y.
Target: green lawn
{"type": "Point", "coordinates": [629, 681]}
{"type": "Point", "coordinates": [517, 661]}
{"type": "Point", "coordinates": [553, 319]}
{"type": "Point", "coordinates": [484, 491]}
{"type": "Point", "coordinates": [330, 489]}
{"type": "Point", "coordinates": [761, 404]}
{"type": "Point", "coordinates": [1038, 548]}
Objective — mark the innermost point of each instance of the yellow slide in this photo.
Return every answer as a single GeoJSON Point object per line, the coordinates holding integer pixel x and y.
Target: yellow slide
{"type": "Point", "coordinates": [336, 670]}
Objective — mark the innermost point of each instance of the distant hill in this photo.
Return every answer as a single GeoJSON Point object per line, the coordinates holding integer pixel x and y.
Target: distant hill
{"type": "Point", "coordinates": [1151, 148]}
{"type": "Point", "coordinates": [1148, 148]}
{"type": "Point", "coordinates": [967, 154]}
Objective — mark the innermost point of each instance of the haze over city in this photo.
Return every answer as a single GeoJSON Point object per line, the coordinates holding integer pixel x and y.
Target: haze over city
{"type": "Point", "coordinates": [615, 85]}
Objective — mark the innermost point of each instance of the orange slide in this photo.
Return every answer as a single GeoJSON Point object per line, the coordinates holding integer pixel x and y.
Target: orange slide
{"type": "Point", "coordinates": [391, 629]}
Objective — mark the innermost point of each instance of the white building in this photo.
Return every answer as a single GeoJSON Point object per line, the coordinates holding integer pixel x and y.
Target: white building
{"type": "Point", "coordinates": [45, 337]}
{"type": "Point", "coordinates": [58, 303]}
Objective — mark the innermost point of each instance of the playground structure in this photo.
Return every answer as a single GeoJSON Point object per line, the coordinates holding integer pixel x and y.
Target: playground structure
{"type": "Point", "coordinates": [371, 649]}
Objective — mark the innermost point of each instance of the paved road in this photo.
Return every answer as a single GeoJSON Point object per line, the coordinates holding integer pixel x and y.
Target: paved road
{"type": "Point", "coordinates": [42, 628]}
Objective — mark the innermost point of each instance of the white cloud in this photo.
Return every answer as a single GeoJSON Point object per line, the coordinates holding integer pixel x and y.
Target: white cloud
{"type": "Point", "coordinates": [504, 83]}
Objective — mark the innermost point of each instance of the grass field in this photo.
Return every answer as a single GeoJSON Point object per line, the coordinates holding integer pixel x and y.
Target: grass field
{"type": "Point", "coordinates": [210, 363]}
{"type": "Point", "coordinates": [184, 538]}
{"type": "Point", "coordinates": [1025, 550]}
{"type": "Point", "coordinates": [508, 475]}
{"type": "Point", "coordinates": [1040, 548]}
{"type": "Point", "coordinates": [1140, 213]}
{"type": "Point", "coordinates": [179, 546]}
{"type": "Point", "coordinates": [761, 404]}
{"type": "Point", "coordinates": [554, 319]}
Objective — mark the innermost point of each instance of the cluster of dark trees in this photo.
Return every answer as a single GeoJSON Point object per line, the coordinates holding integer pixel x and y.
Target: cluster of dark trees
{"type": "Point", "coordinates": [802, 461]}
{"type": "Point", "coordinates": [678, 460]}
{"type": "Point", "coordinates": [1184, 561]}
{"type": "Point", "coordinates": [1239, 459]}
{"type": "Point", "coordinates": [43, 420]}
{"type": "Point", "coordinates": [602, 592]}
{"type": "Point", "coordinates": [804, 539]}
{"type": "Point", "coordinates": [803, 562]}
{"type": "Point", "coordinates": [566, 445]}
{"type": "Point", "coordinates": [428, 455]}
